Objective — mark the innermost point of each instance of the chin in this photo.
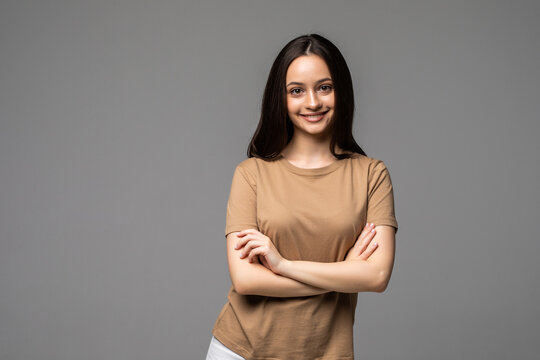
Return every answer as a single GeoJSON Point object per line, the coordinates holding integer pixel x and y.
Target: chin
{"type": "Point", "coordinates": [320, 131]}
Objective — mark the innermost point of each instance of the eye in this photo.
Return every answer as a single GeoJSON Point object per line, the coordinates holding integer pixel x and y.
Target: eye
{"type": "Point", "coordinates": [326, 88]}
{"type": "Point", "coordinates": [295, 91]}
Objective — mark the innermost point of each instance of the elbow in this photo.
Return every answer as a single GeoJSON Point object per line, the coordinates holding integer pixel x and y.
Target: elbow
{"type": "Point", "coordinates": [381, 281]}
{"type": "Point", "coordinates": [238, 289]}
{"type": "Point", "coordinates": [241, 286]}
{"type": "Point", "coordinates": [236, 283]}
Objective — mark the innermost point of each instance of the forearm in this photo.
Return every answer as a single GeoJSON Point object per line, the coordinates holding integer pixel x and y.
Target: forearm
{"type": "Point", "coordinates": [343, 276]}
{"type": "Point", "coordinates": [262, 281]}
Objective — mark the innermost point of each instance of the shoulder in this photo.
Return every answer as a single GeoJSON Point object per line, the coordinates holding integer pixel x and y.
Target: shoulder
{"type": "Point", "coordinates": [250, 168]}
{"type": "Point", "coordinates": [369, 164]}
{"type": "Point", "coordinates": [373, 170]}
{"type": "Point", "coordinates": [255, 164]}
{"type": "Point", "coordinates": [249, 165]}
{"type": "Point", "coordinates": [246, 163]}
{"type": "Point", "coordinates": [255, 168]}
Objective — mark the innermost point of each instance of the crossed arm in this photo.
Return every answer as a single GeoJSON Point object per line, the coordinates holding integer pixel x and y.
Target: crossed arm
{"type": "Point", "coordinates": [356, 273]}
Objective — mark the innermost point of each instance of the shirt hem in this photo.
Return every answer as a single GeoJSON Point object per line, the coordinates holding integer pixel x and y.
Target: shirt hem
{"type": "Point", "coordinates": [240, 350]}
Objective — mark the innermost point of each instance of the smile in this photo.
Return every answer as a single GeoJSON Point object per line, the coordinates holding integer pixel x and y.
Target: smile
{"type": "Point", "coordinates": [314, 117]}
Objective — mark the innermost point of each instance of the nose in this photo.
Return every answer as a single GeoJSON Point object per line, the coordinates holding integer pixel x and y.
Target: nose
{"type": "Point", "coordinates": [313, 101]}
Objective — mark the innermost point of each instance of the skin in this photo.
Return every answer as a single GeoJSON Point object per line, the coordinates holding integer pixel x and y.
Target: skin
{"type": "Point", "coordinates": [256, 266]}
{"type": "Point", "coordinates": [309, 90]}
{"type": "Point", "coordinates": [254, 278]}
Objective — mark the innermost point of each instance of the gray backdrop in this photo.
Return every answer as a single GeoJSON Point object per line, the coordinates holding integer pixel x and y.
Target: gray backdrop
{"type": "Point", "coordinates": [122, 122]}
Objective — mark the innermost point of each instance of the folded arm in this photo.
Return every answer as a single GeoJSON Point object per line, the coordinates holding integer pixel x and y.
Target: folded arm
{"type": "Point", "coordinates": [351, 276]}
{"type": "Point", "coordinates": [367, 270]}
{"type": "Point", "coordinates": [255, 279]}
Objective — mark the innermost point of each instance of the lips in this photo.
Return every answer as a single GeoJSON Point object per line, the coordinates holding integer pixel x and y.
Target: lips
{"type": "Point", "coordinates": [313, 117]}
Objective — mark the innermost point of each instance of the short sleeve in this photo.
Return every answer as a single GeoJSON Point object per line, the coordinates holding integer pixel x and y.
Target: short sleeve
{"type": "Point", "coordinates": [242, 203]}
{"type": "Point", "coordinates": [380, 209]}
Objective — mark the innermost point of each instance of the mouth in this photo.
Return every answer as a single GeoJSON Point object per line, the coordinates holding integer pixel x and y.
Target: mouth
{"type": "Point", "coordinates": [314, 117]}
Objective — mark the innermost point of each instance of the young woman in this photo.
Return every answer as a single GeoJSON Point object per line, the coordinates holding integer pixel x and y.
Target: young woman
{"type": "Point", "coordinates": [310, 218]}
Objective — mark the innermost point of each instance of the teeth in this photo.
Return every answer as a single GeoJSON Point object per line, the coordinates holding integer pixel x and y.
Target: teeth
{"type": "Point", "coordinates": [313, 117]}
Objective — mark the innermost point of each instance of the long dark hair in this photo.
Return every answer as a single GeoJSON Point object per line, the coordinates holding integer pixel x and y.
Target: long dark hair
{"type": "Point", "coordinates": [275, 128]}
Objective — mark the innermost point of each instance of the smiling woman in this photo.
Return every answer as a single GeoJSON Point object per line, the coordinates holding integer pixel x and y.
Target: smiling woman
{"type": "Point", "coordinates": [310, 217]}
{"type": "Point", "coordinates": [310, 95]}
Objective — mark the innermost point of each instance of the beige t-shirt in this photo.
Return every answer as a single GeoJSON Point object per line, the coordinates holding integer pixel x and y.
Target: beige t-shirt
{"type": "Point", "coordinates": [309, 214]}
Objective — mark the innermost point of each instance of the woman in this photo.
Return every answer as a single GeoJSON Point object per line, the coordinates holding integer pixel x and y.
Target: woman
{"type": "Point", "coordinates": [310, 218]}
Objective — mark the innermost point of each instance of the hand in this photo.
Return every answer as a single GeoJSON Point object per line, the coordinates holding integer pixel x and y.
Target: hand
{"type": "Point", "coordinates": [363, 247]}
{"type": "Point", "coordinates": [256, 244]}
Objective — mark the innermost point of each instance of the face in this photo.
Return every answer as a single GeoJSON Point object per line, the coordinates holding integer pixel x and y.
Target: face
{"type": "Point", "coordinates": [310, 95]}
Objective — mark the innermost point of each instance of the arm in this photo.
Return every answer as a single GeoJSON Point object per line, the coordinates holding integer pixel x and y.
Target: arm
{"type": "Point", "coordinates": [252, 278]}
{"type": "Point", "coordinates": [255, 279]}
{"type": "Point", "coordinates": [351, 276]}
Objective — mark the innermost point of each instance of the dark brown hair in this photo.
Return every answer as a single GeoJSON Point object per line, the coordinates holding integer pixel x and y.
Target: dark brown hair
{"type": "Point", "coordinates": [275, 128]}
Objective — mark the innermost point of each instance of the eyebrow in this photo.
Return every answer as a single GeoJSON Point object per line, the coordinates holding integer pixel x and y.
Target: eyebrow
{"type": "Point", "coordinates": [299, 83]}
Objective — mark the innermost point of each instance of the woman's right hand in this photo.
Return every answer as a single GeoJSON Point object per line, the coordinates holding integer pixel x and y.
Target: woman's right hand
{"type": "Point", "coordinates": [363, 247]}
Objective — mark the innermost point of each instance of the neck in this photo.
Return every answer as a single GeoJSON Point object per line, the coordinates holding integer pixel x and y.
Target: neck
{"type": "Point", "coordinates": [309, 149]}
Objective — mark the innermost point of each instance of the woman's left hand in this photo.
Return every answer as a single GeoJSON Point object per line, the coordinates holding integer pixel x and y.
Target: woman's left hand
{"type": "Point", "coordinates": [256, 243]}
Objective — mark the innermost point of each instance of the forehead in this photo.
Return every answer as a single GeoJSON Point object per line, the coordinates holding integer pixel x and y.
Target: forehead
{"type": "Point", "coordinates": [307, 68]}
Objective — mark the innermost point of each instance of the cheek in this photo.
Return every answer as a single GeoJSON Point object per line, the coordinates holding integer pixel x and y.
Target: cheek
{"type": "Point", "coordinates": [293, 105]}
{"type": "Point", "coordinates": [330, 101]}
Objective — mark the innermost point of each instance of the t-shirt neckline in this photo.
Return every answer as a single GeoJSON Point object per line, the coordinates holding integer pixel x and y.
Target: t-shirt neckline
{"type": "Point", "coordinates": [311, 171]}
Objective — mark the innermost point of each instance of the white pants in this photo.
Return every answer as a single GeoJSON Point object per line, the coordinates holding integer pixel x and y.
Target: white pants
{"type": "Point", "coordinates": [218, 351]}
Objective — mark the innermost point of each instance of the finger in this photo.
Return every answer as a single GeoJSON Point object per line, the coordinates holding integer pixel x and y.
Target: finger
{"type": "Point", "coordinates": [364, 233]}
{"type": "Point", "coordinates": [244, 247]}
{"type": "Point", "coordinates": [247, 231]}
{"type": "Point", "coordinates": [257, 259]}
{"type": "Point", "coordinates": [264, 262]}
{"type": "Point", "coordinates": [240, 242]}
{"type": "Point", "coordinates": [244, 240]}
{"type": "Point", "coordinates": [248, 248]}
{"type": "Point", "coordinates": [370, 249]}
{"type": "Point", "coordinates": [368, 226]}
{"type": "Point", "coordinates": [253, 253]}
{"type": "Point", "coordinates": [365, 242]}
{"type": "Point", "coordinates": [367, 238]}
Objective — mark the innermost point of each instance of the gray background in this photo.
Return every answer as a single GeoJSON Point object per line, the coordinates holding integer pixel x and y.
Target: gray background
{"type": "Point", "coordinates": [122, 122]}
